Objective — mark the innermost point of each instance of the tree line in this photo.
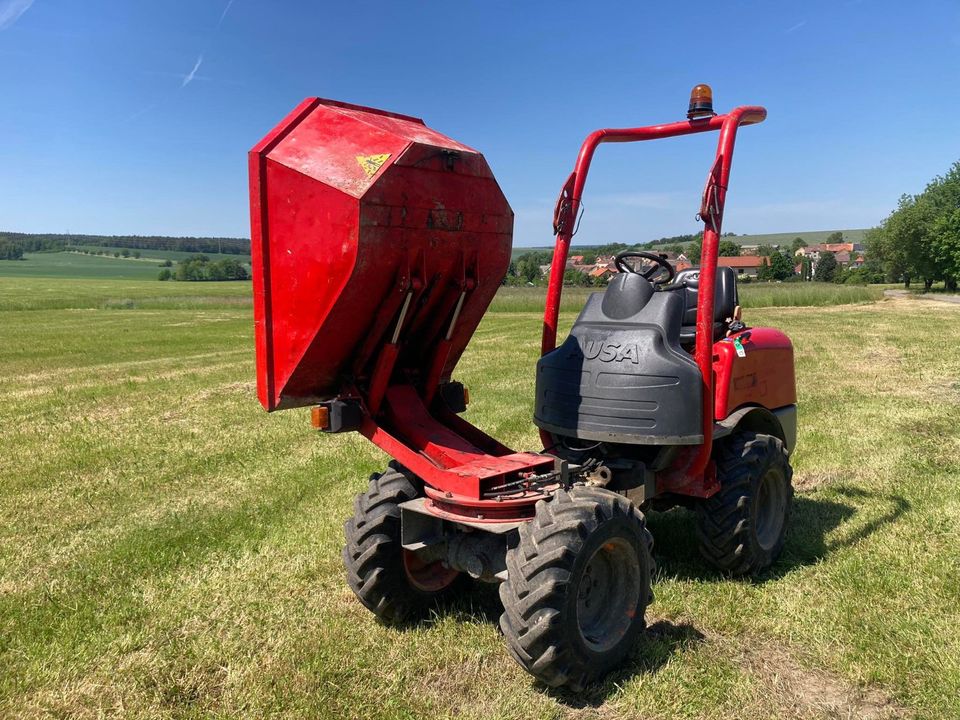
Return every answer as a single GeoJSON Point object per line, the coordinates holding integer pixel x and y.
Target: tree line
{"type": "Point", "coordinates": [920, 240]}
{"type": "Point", "coordinates": [10, 251]}
{"type": "Point", "coordinates": [525, 269]}
{"type": "Point", "coordinates": [782, 265]}
{"type": "Point", "coordinates": [200, 268]}
{"type": "Point", "coordinates": [51, 242]}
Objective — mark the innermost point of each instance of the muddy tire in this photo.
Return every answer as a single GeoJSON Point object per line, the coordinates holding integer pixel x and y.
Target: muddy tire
{"type": "Point", "coordinates": [390, 582]}
{"type": "Point", "coordinates": [578, 586]}
{"type": "Point", "coordinates": [742, 528]}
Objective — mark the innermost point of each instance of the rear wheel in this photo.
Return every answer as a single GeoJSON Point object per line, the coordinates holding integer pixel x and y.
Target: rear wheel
{"type": "Point", "coordinates": [393, 583]}
{"type": "Point", "coordinates": [578, 586]}
{"type": "Point", "coordinates": [742, 528]}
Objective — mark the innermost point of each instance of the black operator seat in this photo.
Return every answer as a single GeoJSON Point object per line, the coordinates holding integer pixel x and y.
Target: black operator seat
{"type": "Point", "coordinates": [687, 283]}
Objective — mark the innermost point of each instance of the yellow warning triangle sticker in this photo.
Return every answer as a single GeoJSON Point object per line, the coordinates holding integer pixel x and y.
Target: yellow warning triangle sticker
{"type": "Point", "coordinates": [371, 163]}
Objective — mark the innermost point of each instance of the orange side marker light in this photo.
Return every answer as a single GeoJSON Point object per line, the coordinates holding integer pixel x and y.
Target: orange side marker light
{"type": "Point", "coordinates": [320, 417]}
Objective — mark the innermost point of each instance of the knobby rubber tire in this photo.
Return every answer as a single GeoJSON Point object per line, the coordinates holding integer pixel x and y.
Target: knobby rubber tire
{"type": "Point", "coordinates": [546, 571]}
{"type": "Point", "coordinates": [373, 555]}
{"type": "Point", "coordinates": [727, 525]}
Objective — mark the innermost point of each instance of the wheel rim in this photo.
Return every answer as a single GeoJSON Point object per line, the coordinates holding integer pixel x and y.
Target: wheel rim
{"type": "Point", "coordinates": [428, 577]}
{"type": "Point", "coordinates": [608, 594]}
{"type": "Point", "coordinates": [770, 509]}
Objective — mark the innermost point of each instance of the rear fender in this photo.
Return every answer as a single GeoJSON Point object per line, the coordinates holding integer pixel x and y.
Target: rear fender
{"type": "Point", "coordinates": [781, 423]}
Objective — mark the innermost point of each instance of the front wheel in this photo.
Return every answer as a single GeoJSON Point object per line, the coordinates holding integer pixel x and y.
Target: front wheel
{"type": "Point", "coordinates": [742, 528]}
{"type": "Point", "coordinates": [392, 582]}
{"type": "Point", "coordinates": [578, 586]}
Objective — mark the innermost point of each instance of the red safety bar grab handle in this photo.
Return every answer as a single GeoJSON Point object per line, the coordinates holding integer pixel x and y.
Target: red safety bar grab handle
{"type": "Point", "coordinates": [568, 208]}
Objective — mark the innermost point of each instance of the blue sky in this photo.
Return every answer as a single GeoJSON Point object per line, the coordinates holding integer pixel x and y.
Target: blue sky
{"type": "Point", "coordinates": [135, 117]}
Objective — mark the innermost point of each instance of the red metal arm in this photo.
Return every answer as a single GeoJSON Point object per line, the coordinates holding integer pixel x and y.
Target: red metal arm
{"type": "Point", "coordinates": [568, 207]}
{"type": "Point", "coordinates": [715, 194]}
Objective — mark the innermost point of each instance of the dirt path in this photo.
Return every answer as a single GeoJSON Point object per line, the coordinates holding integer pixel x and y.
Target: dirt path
{"type": "Point", "coordinates": [806, 692]}
{"type": "Point", "coordinates": [955, 299]}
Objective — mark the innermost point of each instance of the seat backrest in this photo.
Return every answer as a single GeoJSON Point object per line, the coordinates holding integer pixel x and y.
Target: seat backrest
{"type": "Point", "coordinates": [725, 298]}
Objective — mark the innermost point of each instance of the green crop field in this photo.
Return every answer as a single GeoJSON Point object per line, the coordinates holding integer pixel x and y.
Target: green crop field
{"type": "Point", "coordinates": [169, 550]}
{"type": "Point", "coordinates": [150, 253]}
{"type": "Point", "coordinates": [74, 264]}
{"type": "Point", "coordinates": [68, 265]}
{"type": "Point", "coordinates": [810, 237]}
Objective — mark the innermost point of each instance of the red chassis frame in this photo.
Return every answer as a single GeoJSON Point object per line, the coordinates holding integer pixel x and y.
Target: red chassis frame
{"type": "Point", "coordinates": [458, 463]}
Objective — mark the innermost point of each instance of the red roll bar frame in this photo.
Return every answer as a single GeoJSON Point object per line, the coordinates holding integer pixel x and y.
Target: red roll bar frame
{"type": "Point", "coordinates": [711, 213]}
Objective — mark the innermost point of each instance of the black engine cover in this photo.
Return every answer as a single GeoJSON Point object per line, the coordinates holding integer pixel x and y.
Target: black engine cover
{"type": "Point", "coordinates": [621, 375]}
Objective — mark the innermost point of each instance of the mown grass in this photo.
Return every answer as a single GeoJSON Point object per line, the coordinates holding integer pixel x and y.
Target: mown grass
{"type": "Point", "coordinates": [167, 549]}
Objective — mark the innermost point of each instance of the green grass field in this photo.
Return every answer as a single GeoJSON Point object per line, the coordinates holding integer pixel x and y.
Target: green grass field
{"type": "Point", "coordinates": [752, 295]}
{"type": "Point", "coordinates": [169, 550]}
{"type": "Point", "coordinates": [811, 237]}
{"type": "Point", "coordinates": [51, 293]}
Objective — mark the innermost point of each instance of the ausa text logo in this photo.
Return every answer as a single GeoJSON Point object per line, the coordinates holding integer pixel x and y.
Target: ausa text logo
{"type": "Point", "coordinates": [610, 351]}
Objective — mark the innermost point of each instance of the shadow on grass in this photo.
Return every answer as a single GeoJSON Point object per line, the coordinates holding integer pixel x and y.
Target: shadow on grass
{"type": "Point", "coordinates": [654, 648]}
{"type": "Point", "coordinates": [818, 527]}
{"type": "Point", "coordinates": [812, 521]}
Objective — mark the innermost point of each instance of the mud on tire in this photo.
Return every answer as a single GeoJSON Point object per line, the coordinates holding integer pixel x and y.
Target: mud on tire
{"type": "Point", "coordinates": [578, 585]}
{"type": "Point", "coordinates": [388, 580]}
{"type": "Point", "coordinates": [741, 529]}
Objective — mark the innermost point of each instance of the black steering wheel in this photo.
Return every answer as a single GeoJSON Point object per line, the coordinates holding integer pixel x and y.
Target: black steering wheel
{"type": "Point", "coordinates": [660, 273]}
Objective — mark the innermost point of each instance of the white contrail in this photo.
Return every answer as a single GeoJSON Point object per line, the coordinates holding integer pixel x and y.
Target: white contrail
{"type": "Point", "coordinates": [11, 10]}
{"type": "Point", "coordinates": [796, 27]}
{"type": "Point", "coordinates": [192, 74]}
{"type": "Point", "coordinates": [224, 13]}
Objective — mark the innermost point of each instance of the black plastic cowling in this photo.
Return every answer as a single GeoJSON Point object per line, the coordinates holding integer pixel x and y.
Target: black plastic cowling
{"type": "Point", "coordinates": [621, 375]}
